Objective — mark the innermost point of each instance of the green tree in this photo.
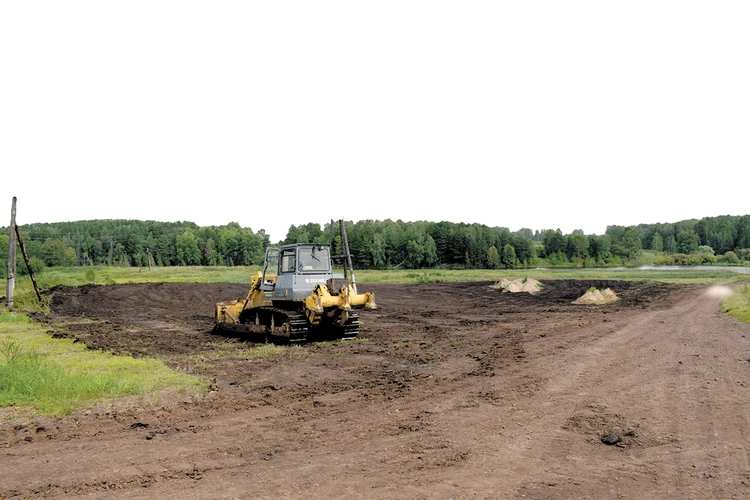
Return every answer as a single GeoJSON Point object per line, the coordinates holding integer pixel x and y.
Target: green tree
{"type": "Point", "coordinates": [554, 242]}
{"type": "Point", "coordinates": [430, 252]}
{"type": "Point", "coordinates": [743, 232]}
{"type": "Point", "coordinates": [377, 251]}
{"type": "Point", "coordinates": [265, 238]}
{"type": "Point", "coordinates": [493, 258]}
{"type": "Point", "coordinates": [509, 256]}
{"type": "Point", "coordinates": [188, 252]}
{"type": "Point", "coordinates": [306, 233]}
{"type": "Point", "coordinates": [687, 242]}
{"type": "Point", "coordinates": [670, 244]}
{"type": "Point", "coordinates": [525, 233]}
{"type": "Point", "coordinates": [657, 243]}
{"type": "Point", "coordinates": [578, 246]}
{"type": "Point", "coordinates": [600, 248]}
{"type": "Point", "coordinates": [209, 253]}
{"type": "Point", "coordinates": [414, 254]}
{"type": "Point", "coordinates": [54, 253]}
{"type": "Point", "coordinates": [420, 251]}
{"type": "Point", "coordinates": [524, 250]}
{"type": "Point", "coordinates": [631, 243]}
{"type": "Point", "coordinates": [120, 256]}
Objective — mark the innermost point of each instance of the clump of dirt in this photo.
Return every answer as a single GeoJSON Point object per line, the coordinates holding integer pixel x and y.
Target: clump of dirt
{"type": "Point", "coordinates": [596, 296]}
{"type": "Point", "coordinates": [528, 285]}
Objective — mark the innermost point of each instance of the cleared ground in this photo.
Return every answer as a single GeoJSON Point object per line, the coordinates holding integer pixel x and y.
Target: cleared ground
{"type": "Point", "coordinates": [453, 391]}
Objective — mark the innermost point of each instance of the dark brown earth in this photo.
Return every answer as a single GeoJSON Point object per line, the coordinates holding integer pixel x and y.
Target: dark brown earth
{"type": "Point", "coordinates": [452, 391]}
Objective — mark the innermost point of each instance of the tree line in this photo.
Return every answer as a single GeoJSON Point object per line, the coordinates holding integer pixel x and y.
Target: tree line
{"type": "Point", "coordinates": [384, 244]}
{"type": "Point", "coordinates": [136, 243]}
{"type": "Point", "coordinates": [724, 238]}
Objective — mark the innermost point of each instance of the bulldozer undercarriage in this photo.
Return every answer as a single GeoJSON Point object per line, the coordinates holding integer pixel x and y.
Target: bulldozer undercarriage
{"type": "Point", "coordinates": [276, 324]}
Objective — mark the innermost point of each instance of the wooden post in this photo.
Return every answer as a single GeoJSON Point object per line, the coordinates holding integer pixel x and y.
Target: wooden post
{"type": "Point", "coordinates": [11, 256]}
{"type": "Point", "coordinates": [28, 264]}
{"type": "Point", "coordinates": [347, 254]}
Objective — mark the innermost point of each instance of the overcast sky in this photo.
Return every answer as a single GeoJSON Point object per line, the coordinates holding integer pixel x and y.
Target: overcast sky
{"type": "Point", "coordinates": [539, 114]}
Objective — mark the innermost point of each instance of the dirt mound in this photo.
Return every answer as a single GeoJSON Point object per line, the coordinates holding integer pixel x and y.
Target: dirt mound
{"type": "Point", "coordinates": [528, 285]}
{"type": "Point", "coordinates": [597, 297]}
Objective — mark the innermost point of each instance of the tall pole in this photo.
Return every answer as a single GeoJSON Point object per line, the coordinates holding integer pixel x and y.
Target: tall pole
{"type": "Point", "coordinates": [11, 256]}
{"type": "Point", "coordinates": [345, 245]}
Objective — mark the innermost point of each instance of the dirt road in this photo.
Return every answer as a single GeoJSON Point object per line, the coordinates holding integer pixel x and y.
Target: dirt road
{"type": "Point", "coordinates": [455, 391]}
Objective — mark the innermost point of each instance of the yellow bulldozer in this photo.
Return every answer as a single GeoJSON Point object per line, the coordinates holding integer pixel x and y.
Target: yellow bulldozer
{"type": "Point", "coordinates": [297, 297]}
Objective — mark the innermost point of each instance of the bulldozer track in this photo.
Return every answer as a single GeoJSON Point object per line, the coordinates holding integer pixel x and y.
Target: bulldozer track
{"type": "Point", "coordinates": [289, 326]}
{"type": "Point", "coordinates": [351, 328]}
{"type": "Point", "coordinates": [275, 323]}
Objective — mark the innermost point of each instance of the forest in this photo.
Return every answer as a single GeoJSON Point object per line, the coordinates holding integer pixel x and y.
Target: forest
{"type": "Point", "coordinates": [383, 244]}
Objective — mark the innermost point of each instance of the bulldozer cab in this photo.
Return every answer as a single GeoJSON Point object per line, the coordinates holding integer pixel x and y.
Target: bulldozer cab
{"type": "Point", "coordinates": [291, 272]}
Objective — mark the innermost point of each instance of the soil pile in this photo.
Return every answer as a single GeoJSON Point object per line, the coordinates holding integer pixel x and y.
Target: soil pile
{"type": "Point", "coordinates": [597, 297]}
{"type": "Point", "coordinates": [528, 285]}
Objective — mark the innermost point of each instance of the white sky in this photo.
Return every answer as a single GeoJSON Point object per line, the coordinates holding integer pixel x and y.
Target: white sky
{"type": "Point", "coordinates": [540, 114]}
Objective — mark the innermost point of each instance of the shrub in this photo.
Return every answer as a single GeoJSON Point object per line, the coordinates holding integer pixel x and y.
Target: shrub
{"type": "Point", "coordinates": [743, 253]}
{"type": "Point", "coordinates": [679, 259]}
{"type": "Point", "coordinates": [730, 258]}
{"type": "Point", "coordinates": [708, 260]}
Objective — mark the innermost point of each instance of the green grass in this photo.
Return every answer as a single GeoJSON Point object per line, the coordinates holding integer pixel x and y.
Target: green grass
{"type": "Point", "coordinates": [738, 303]}
{"type": "Point", "coordinates": [690, 276]}
{"type": "Point", "coordinates": [56, 376]}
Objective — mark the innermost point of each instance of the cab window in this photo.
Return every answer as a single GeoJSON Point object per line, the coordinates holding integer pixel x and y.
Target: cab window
{"type": "Point", "coordinates": [315, 259]}
{"type": "Point", "coordinates": [288, 261]}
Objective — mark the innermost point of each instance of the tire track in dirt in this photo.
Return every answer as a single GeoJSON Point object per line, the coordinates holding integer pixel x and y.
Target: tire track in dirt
{"type": "Point", "coordinates": [651, 378]}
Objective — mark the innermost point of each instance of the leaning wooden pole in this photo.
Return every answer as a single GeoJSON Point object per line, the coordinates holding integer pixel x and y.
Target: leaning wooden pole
{"type": "Point", "coordinates": [345, 246]}
{"type": "Point", "coordinates": [28, 264]}
{"type": "Point", "coordinates": [11, 256]}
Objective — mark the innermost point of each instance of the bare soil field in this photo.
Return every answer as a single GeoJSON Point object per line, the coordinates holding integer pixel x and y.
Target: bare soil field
{"type": "Point", "coordinates": [451, 391]}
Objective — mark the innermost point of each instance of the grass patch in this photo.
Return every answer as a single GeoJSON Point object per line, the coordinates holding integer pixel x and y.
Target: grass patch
{"type": "Point", "coordinates": [55, 376]}
{"type": "Point", "coordinates": [738, 303]}
{"type": "Point", "coordinates": [681, 276]}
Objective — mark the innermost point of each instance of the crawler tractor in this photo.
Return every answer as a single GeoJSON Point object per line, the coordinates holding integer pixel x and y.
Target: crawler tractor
{"type": "Point", "coordinates": [297, 297]}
